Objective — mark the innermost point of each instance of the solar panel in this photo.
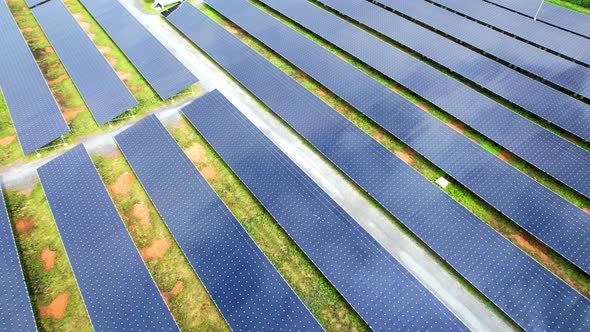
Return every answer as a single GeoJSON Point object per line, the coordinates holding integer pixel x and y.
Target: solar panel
{"type": "Point", "coordinates": [161, 69]}
{"type": "Point", "coordinates": [552, 219]}
{"type": "Point", "coordinates": [16, 313]}
{"type": "Point", "coordinates": [35, 114]}
{"type": "Point", "coordinates": [564, 111]}
{"type": "Point", "coordinates": [518, 285]}
{"type": "Point", "coordinates": [103, 91]}
{"type": "Point", "coordinates": [249, 292]}
{"type": "Point", "coordinates": [116, 286]}
{"type": "Point", "coordinates": [567, 44]}
{"type": "Point", "coordinates": [33, 3]}
{"type": "Point", "coordinates": [549, 13]}
{"type": "Point", "coordinates": [377, 286]}
{"type": "Point", "coordinates": [548, 66]}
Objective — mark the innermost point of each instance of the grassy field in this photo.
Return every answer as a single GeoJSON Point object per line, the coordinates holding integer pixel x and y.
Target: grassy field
{"type": "Point", "coordinates": [582, 6]}
{"type": "Point", "coordinates": [550, 259]}
{"type": "Point", "coordinates": [71, 103]}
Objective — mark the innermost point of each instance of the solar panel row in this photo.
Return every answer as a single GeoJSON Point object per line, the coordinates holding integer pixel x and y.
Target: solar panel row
{"type": "Point", "coordinates": [34, 112]}
{"type": "Point", "coordinates": [16, 313]}
{"type": "Point", "coordinates": [384, 294]}
{"type": "Point", "coordinates": [103, 91]}
{"type": "Point", "coordinates": [552, 219]}
{"type": "Point", "coordinates": [249, 292]}
{"type": "Point", "coordinates": [116, 286]}
{"type": "Point", "coordinates": [549, 104]}
{"type": "Point", "coordinates": [567, 44]}
{"type": "Point", "coordinates": [159, 67]}
{"type": "Point", "coordinates": [549, 13]}
{"type": "Point", "coordinates": [564, 73]}
{"type": "Point", "coordinates": [526, 291]}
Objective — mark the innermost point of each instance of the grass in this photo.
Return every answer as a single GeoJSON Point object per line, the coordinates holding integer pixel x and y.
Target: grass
{"type": "Point", "coordinates": [65, 92]}
{"type": "Point", "coordinates": [45, 286]}
{"type": "Point", "coordinates": [558, 265]}
{"type": "Point", "coordinates": [582, 6]}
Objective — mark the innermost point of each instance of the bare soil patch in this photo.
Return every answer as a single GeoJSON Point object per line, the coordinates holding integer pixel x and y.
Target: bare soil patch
{"type": "Point", "coordinates": [196, 153]}
{"type": "Point", "coordinates": [175, 291]}
{"type": "Point", "coordinates": [7, 140]}
{"type": "Point", "coordinates": [29, 29]}
{"type": "Point", "coordinates": [124, 76]}
{"type": "Point", "coordinates": [141, 212]}
{"type": "Point", "coordinates": [24, 225]}
{"type": "Point", "coordinates": [209, 172]}
{"type": "Point", "coordinates": [71, 113]}
{"type": "Point", "coordinates": [104, 49]}
{"type": "Point", "coordinates": [458, 127]}
{"type": "Point", "coordinates": [123, 184]}
{"type": "Point", "coordinates": [422, 106]}
{"type": "Point", "coordinates": [58, 79]}
{"type": "Point", "coordinates": [156, 250]}
{"type": "Point", "coordinates": [377, 135]}
{"type": "Point", "coordinates": [319, 91]}
{"type": "Point", "coordinates": [134, 88]}
{"type": "Point", "coordinates": [48, 50]}
{"type": "Point", "coordinates": [231, 28]}
{"type": "Point", "coordinates": [48, 258]}
{"type": "Point", "coordinates": [505, 155]}
{"type": "Point", "coordinates": [56, 308]}
{"type": "Point", "coordinates": [85, 25]}
{"type": "Point", "coordinates": [587, 210]}
{"type": "Point", "coordinates": [404, 156]}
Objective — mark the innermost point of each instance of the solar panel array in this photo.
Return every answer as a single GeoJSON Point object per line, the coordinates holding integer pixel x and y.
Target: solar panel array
{"type": "Point", "coordinates": [159, 67]}
{"type": "Point", "coordinates": [247, 289]}
{"type": "Point", "coordinates": [549, 13]}
{"type": "Point", "coordinates": [522, 288]}
{"type": "Point", "coordinates": [553, 68]}
{"type": "Point", "coordinates": [562, 110]}
{"type": "Point", "coordinates": [34, 112]}
{"type": "Point", "coordinates": [116, 286]}
{"type": "Point", "coordinates": [570, 45]}
{"type": "Point", "coordinates": [16, 313]}
{"type": "Point", "coordinates": [552, 219]}
{"type": "Point", "coordinates": [384, 294]}
{"type": "Point", "coordinates": [103, 91]}
{"type": "Point", "coordinates": [33, 3]}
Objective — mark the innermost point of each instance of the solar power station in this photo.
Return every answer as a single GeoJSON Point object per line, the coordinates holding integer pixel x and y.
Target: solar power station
{"type": "Point", "coordinates": [16, 313]}
{"type": "Point", "coordinates": [103, 91]}
{"type": "Point", "coordinates": [570, 45]}
{"type": "Point", "coordinates": [244, 285]}
{"type": "Point", "coordinates": [546, 65]}
{"type": "Point", "coordinates": [116, 286]}
{"type": "Point", "coordinates": [383, 293]}
{"type": "Point", "coordinates": [560, 224]}
{"type": "Point", "coordinates": [537, 98]}
{"type": "Point", "coordinates": [34, 112]}
{"type": "Point", "coordinates": [510, 279]}
{"type": "Point", "coordinates": [157, 65]}
{"type": "Point", "coordinates": [549, 13]}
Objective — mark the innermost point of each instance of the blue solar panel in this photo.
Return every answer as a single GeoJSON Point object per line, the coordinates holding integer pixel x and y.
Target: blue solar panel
{"type": "Point", "coordinates": [33, 3]}
{"type": "Point", "coordinates": [117, 288]}
{"type": "Point", "coordinates": [526, 291]}
{"type": "Point", "coordinates": [550, 67]}
{"type": "Point", "coordinates": [244, 285]}
{"type": "Point", "coordinates": [34, 112]}
{"type": "Point", "coordinates": [16, 313]}
{"type": "Point", "coordinates": [558, 223]}
{"type": "Point", "coordinates": [383, 293]}
{"type": "Point", "coordinates": [549, 13]}
{"type": "Point", "coordinates": [562, 110]}
{"type": "Point", "coordinates": [570, 45]}
{"type": "Point", "coordinates": [104, 93]}
{"type": "Point", "coordinates": [161, 69]}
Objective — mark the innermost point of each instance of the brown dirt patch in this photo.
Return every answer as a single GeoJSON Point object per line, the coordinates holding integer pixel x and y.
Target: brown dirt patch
{"type": "Point", "coordinates": [175, 291]}
{"type": "Point", "coordinates": [48, 50]}
{"type": "Point", "coordinates": [134, 88]}
{"type": "Point", "coordinates": [7, 140]}
{"type": "Point", "coordinates": [319, 92]}
{"type": "Point", "coordinates": [377, 135]}
{"type": "Point", "coordinates": [209, 172]}
{"type": "Point", "coordinates": [71, 113]}
{"type": "Point", "coordinates": [48, 258]}
{"type": "Point", "coordinates": [29, 29]}
{"type": "Point", "coordinates": [423, 107]}
{"type": "Point", "coordinates": [587, 210]}
{"type": "Point", "coordinates": [58, 79]}
{"type": "Point", "coordinates": [458, 127]}
{"type": "Point", "coordinates": [505, 155]}
{"type": "Point", "coordinates": [56, 308]}
{"type": "Point", "coordinates": [474, 140]}
{"type": "Point", "coordinates": [112, 61]}
{"type": "Point", "coordinates": [104, 49]}
{"type": "Point", "coordinates": [404, 156]}
{"type": "Point", "coordinates": [123, 184]}
{"type": "Point", "coordinates": [196, 153]}
{"type": "Point", "coordinates": [156, 250]}
{"type": "Point", "coordinates": [141, 212]}
{"type": "Point", "coordinates": [85, 25]}
{"type": "Point", "coordinates": [232, 29]}
{"type": "Point", "coordinates": [124, 76]}
{"type": "Point", "coordinates": [395, 89]}
{"type": "Point", "coordinates": [24, 225]}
